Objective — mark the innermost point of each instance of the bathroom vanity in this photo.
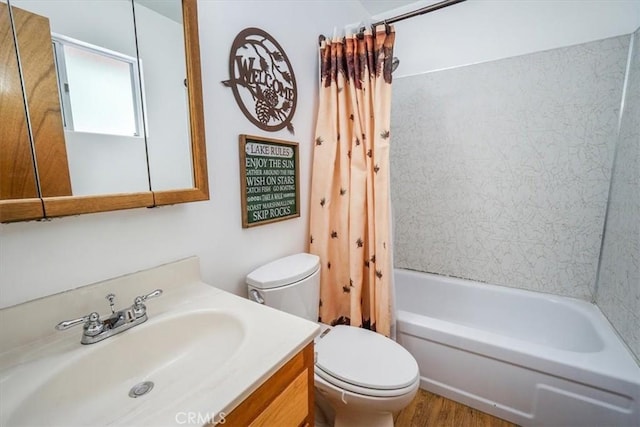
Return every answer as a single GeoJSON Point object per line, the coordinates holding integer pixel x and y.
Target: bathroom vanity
{"type": "Point", "coordinates": [203, 357]}
{"type": "Point", "coordinates": [285, 399]}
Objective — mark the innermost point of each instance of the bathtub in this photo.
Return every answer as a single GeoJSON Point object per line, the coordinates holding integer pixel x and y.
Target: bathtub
{"type": "Point", "coordinates": [527, 357]}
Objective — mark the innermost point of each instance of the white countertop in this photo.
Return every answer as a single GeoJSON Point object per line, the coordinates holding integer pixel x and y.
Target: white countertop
{"type": "Point", "coordinates": [269, 339]}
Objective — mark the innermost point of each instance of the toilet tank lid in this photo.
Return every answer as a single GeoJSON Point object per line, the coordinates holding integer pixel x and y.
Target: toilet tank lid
{"type": "Point", "coordinates": [284, 271]}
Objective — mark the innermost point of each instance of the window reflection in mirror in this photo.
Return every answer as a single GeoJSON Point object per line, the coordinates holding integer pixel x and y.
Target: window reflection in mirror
{"type": "Point", "coordinates": [87, 73]}
{"type": "Point", "coordinates": [98, 163]}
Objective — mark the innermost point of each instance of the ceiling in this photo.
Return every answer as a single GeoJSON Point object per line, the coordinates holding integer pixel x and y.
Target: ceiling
{"type": "Point", "coordinates": [170, 9]}
{"type": "Point", "coordinates": [377, 7]}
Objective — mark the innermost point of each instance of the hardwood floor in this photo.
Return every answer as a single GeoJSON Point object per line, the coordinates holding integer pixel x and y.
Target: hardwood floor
{"type": "Point", "coordinates": [431, 410]}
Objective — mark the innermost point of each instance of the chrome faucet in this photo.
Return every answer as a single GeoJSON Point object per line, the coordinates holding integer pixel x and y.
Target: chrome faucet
{"type": "Point", "coordinates": [96, 329]}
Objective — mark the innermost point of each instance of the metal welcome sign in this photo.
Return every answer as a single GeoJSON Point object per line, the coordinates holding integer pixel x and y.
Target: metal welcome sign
{"type": "Point", "coordinates": [262, 80]}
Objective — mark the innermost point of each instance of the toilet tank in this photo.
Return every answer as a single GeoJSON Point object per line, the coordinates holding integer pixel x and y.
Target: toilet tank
{"type": "Point", "coordinates": [290, 284]}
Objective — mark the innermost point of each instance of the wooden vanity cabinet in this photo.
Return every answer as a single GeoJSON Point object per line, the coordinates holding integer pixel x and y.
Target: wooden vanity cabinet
{"type": "Point", "coordinates": [284, 400]}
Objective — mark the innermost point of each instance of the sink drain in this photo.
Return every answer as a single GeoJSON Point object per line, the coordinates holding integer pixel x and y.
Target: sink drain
{"type": "Point", "coordinates": [141, 389]}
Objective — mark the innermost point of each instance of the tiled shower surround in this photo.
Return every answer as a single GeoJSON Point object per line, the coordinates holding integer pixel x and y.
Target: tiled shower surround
{"type": "Point", "coordinates": [618, 294]}
{"type": "Point", "coordinates": [500, 170]}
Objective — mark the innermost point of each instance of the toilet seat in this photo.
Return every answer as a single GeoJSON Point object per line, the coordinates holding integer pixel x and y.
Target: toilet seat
{"type": "Point", "coordinates": [365, 362]}
{"type": "Point", "coordinates": [371, 392]}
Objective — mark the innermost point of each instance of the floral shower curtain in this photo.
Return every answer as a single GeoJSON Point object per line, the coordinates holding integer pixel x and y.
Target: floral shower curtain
{"type": "Point", "coordinates": [350, 206]}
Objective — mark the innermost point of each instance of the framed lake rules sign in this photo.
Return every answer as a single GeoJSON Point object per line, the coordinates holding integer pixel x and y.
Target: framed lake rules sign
{"type": "Point", "coordinates": [269, 180]}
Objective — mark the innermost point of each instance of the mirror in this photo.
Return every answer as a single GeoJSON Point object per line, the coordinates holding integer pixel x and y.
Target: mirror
{"type": "Point", "coordinates": [81, 79]}
{"type": "Point", "coordinates": [128, 115]}
{"type": "Point", "coordinates": [160, 41]}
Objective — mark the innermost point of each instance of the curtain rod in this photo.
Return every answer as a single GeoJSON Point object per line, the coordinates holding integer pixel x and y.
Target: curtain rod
{"type": "Point", "coordinates": [417, 12]}
{"type": "Point", "coordinates": [421, 11]}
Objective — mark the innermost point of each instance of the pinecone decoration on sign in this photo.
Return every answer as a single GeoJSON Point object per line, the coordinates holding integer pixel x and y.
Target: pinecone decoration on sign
{"type": "Point", "coordinates": [271, 97]}
{"type": "Point", "coordinates": [262, 111]}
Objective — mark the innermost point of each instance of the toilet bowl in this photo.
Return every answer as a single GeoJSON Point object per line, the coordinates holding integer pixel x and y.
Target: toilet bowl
{"type": "Point", "coordinates": [364, 376]}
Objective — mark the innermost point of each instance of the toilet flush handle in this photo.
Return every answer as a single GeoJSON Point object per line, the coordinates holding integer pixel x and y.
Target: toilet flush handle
{"type": "Point", "coordinates": [255, 295]}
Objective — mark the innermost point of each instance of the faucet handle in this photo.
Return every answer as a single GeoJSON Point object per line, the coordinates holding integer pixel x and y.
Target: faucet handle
{"type": "Point", "coordinates": [137, 302]}
{"type": "Point", "coordinates": [111, 298]}
{"type": "Point", "coordinates": [139, 309]}
{"type": "Point", "coordinates": [152, 294]}
{"type": "Point", "coordinates": [92, 324]}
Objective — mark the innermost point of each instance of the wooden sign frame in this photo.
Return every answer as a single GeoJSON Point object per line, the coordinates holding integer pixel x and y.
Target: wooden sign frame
{"type": "Point", "coordinates": [269, 180]}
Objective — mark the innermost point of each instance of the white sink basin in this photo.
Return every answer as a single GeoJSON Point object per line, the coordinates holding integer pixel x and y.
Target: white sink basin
{"type": "Point", "coordinates": [91, 385]}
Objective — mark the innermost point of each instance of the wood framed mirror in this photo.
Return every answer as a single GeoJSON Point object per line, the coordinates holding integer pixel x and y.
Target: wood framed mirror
{"type": "Point", "coordinates": [33, 39]}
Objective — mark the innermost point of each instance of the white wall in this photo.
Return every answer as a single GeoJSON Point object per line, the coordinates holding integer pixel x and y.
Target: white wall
{"type": "Point", "coordinates": [618, 292]}
{"type": "Point", "coordinates": [512, 100]}
{"type": "Point", "coordinates": [96, 24]}
{"type": "Point", "coordinates": [106, 164]}
{"type": "Point", "coordinates": [500, 171]}
{"type": "Point", "coordinates": [42, 258]}
{"type": "Point", "coordinates": [485, 30]}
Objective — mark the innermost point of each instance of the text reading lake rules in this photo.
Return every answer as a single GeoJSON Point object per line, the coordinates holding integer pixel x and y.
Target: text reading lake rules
{"type": "Point", "coordinates": [269, 174]}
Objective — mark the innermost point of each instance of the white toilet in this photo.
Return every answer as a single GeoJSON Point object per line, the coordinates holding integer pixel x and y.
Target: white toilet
{"type": "Point", "coordinates": [363, 375]}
